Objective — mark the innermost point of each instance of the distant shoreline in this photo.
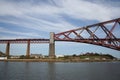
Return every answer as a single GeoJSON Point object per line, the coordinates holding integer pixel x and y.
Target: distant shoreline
{"type": "Point", "coordinates": [55, 60]}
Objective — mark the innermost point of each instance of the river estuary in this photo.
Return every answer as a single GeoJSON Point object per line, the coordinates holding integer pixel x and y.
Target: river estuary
{"type": "Point", "coordinates": [59, 71]}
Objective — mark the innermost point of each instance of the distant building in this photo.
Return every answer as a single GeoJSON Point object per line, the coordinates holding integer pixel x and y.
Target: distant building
{"type": "Point", "coordinates": [58, 56]}
{"type": "Point", "coordinates": [36, 56]}
{"type": "Point", "coordinates": [3, 58]}
{"type": "Point", "coordinates": [45, 56]}
{"type": "Point", "coordinates": [103, 58]}
{"type": "Point", "coordinates": [15, 57]}
{"type": "Point", "coordinates": [87, 58]}
{"type": "Point", "coordinates": [97, 58]}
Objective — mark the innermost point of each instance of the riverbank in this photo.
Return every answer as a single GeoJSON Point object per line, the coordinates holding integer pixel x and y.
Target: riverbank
{"type": "Point", "coordinates": [56, 60]}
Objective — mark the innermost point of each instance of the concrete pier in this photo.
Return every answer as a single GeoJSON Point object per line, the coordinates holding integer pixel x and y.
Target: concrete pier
{"type": "Point", "coordinates": [52, 46]}
{"type": "Point", "coordinates": [28, 50]}
{"type": "Point", "coordinates": [8, 49]}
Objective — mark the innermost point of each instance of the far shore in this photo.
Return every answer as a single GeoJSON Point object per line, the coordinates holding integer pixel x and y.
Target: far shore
{"type": "Point", "coordinates": [55, 60]}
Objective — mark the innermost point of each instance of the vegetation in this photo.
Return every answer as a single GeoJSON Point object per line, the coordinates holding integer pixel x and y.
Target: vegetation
{"type": "Point", "coordinates": [67, 58]}
{"type": "Point", "coordinates": [90, 56]}
{"type": "Point", "coordinates": [96, 55]}
{"type": "Point", "coordinates": [2, 54]}
{"type": "Point", "coordinates": [22, 57]}
{"type": "Point", "coordinates": [25, 57]}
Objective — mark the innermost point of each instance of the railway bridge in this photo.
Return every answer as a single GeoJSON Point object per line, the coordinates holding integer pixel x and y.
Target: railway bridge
{"type": "Point", "coordinates": [102, 34]}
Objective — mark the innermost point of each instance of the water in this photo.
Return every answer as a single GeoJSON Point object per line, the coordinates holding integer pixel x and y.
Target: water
{"type": "Point", "coordinates": [59, 71]}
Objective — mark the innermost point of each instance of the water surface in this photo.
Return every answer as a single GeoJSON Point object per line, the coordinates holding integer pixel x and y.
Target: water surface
{"type": "Point", "coordinates": [59, 71]}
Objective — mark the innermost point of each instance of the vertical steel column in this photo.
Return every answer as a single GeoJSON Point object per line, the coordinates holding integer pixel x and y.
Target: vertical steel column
{"type": "Point", "coordinates": [52, 46]}
{"type": "Point", "coordinates": [8, 49]}
{"type": "Point", "coordinates": [28, 49]}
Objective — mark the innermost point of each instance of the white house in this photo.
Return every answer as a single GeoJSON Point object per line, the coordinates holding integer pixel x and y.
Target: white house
{"type": "Point", "coordinates": [3, 58]}
{"type": "Point", "coordinates": [58, 56]}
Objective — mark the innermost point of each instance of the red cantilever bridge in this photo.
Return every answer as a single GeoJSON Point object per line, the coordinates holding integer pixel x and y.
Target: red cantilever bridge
{"type": "Point", "coordinates": [104, 34]}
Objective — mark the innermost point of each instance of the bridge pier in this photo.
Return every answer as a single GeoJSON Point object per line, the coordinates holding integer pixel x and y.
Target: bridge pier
{"type": "Point", "coordinates": [52, 46]}
{"type": "Point", "coordinates": [7, 49]}
{"type": "Point", "coordinates": [28, 49]}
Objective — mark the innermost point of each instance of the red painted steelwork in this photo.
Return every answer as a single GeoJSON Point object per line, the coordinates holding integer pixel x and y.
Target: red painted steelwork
{"type": "Point", "coordinates": [90, 36]}
{"type": "Point", "coordinates": [77, 35]}
{"type": "Point", "coordinates": [25, 41]}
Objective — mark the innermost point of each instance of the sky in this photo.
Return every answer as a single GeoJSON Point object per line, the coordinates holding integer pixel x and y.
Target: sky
{"type": "Point", "coordinates": [37, 18]}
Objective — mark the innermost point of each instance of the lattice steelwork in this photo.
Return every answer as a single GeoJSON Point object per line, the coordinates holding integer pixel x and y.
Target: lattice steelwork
{"type": "Point", "coordinates": [102, 34]}
{"type": "Point", "coordinates": [25, 41]}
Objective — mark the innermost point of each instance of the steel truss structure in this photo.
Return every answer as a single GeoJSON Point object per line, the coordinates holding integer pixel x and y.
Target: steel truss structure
{"type": "Point", "coordinates": [101, 34]}
{"type": "Point", "coordinates": [25, 41]}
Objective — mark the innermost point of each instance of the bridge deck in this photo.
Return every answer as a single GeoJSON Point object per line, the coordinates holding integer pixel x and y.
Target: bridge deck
{"type": "Point", "coordinates": [24, 40]}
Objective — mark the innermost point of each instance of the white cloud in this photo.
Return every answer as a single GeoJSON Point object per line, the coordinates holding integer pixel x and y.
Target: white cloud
{"type": "Point", "coordinates": [47, 18]}
{"type": "Point", "coordinates": [25, 16]}
{"type": "Point", "coordinates": [19, 33]}
{"type": "Point", "coordinates": [13, 37]}
{"type": "Point", "coordinates": [81, 9]}
{"type": "Point", "coordinates": [7, 8]}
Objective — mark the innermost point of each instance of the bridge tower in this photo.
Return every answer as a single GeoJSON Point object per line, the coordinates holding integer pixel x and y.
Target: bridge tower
{"type": "Point", "coordinates": [52, 46]}
{"type": "Point", "coordinates": [28, 49]}
{"type": "Point", "coordinates": [8, 49]}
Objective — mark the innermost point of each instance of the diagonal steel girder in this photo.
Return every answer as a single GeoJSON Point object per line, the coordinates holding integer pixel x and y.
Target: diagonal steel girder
{"type": "Point", "coordinates": [109, 40]}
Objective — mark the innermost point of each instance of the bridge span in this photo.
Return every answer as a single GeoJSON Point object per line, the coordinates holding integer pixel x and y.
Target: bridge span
{"type": "Point", "coordinates": [101, 34]}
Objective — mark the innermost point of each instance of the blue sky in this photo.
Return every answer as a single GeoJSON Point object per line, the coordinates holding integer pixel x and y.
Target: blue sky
{"type": "Point", "coordinates": [37, 18]}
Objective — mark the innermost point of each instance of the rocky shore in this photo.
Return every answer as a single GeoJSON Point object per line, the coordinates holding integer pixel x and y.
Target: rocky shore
{"type": "Point", "coordinates": [55, 60]}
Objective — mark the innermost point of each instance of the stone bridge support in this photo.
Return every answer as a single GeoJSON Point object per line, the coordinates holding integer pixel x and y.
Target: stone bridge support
{"type": "Point", "coordinates": [52, 46]}
{"type": "Point", "coordinates": [28, 49]}
{"type": "Point", "coordinates": [7, 49]}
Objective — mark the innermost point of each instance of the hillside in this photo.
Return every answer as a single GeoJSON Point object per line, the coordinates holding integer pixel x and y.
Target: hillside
{"type": "Point", "coordinates": [90, 56]}
{"type": "Point", "coordinates": [96, 55]}
{"type": "Point", "coordinates": [2, 54]}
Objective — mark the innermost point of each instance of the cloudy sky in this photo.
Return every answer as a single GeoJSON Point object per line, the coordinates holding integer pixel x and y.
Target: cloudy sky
{"type": "Point", "coordinates": [37, 18]}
